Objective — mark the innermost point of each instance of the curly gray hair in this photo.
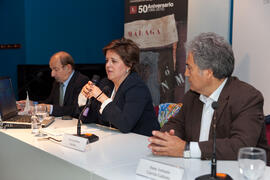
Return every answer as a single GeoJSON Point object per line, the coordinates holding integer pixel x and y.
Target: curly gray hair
{"type": "Point", "coordinates": [211, 51]}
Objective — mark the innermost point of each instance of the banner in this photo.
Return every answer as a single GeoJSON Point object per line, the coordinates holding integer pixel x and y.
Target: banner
{"type": "Point", "coordinates": [152, 33]}
{"type": "Point", "coordinates": [159, 27]}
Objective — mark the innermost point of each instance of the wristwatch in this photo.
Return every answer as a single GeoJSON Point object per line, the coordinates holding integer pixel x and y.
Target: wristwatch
{"type": "Point", "coordinates": [187, 150]}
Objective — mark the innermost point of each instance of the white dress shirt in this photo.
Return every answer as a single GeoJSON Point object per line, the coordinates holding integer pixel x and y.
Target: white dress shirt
{"type": "Point", "coordinates": [207, 115]}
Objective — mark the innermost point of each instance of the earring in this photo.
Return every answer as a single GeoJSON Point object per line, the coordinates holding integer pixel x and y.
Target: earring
{"type": "Point", "coordinates": [127, 70]}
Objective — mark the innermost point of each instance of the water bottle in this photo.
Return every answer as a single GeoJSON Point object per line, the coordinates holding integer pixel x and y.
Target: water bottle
{"type": "Point", "coordinates": [34, 120]}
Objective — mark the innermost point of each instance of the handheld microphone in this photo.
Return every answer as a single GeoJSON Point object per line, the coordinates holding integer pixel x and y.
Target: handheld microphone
{"type": "Point", "coordinates": [95, 79]}
{"type": "Point", "coordinates": [214, 174]}
{"type": "Point", "coordinates": [91, 137]}
{"type": "Point", "coordinates": [106, 89]}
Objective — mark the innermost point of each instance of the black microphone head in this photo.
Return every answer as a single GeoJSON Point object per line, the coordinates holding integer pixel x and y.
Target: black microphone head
{"type": "Point", "coordinates": [215, 105]}
{"type": "Point", "coordinates": [106, 90]}
{"type": "Point", "coordinates": [95, 79]}
{"type": "Point", "coordinates": [39, 74]}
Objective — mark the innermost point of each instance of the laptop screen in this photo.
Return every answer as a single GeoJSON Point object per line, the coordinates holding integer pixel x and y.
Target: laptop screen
{"type": "Point", "coordinates": [7, 99]}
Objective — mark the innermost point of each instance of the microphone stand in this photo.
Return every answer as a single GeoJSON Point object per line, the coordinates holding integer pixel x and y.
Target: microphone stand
{"type": "Point", "coordinates": [91, 137]}
{"type": "Point", "coordinates": [214, 159]}
{"type": "Point", "coordinates": [79, 122]}
{"type": "Point", "coordinates": [214, 175]}
{"type": "Point", "coordinates": [80, 116]}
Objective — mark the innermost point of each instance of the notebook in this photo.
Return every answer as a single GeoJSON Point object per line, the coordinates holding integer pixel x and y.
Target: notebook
{"type": "Point", "coordinates": [9, 111]}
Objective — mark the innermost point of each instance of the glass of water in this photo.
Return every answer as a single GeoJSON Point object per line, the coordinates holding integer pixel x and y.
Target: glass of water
{"type": "Point", "coordinates": [252, 161]}
{"type": "Point", "coordinates": [41, 114]}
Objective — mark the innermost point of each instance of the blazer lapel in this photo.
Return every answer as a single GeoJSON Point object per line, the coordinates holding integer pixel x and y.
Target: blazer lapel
{"type": "Point", "coordinates": [222, 102]}
{"type": "Point", "coordinates": [57, 93]}
{"type": "Point", "coordinates": [123, 86]}
{"type": "Point", "coordinates": [219, 111]}
{"type": "Point", "coordinates": [117, 95]}
{"type": "Point", "coordinates": [196, 120]}
{"type": "Point", "coordinates": [221, 106]}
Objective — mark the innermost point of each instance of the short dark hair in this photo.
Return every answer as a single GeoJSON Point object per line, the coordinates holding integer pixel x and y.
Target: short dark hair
{"type": "Point", "coordinates": [211, 51]}
{"type": "Point", "coordinates": [65, 58]}
{"type": "Point", "coordinates": [127, 50]}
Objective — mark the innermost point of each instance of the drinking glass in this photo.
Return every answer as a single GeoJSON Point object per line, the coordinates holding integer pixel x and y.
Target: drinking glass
{"type": "Point", "coordinates": [252, 162]}
{"type": "Point", "coordinates": [41, 114]}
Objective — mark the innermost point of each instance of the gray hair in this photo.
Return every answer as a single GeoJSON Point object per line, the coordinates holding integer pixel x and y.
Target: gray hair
{"type": "Point", "coordinates": [211, 51]}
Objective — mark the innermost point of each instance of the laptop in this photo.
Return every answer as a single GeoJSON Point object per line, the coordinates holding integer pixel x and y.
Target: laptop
{"type": "Point", "coordinates": [9, 111]}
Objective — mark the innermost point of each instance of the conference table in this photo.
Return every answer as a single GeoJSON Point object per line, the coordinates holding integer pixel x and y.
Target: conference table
{"type": "Point", "coordinates": [115, 155]}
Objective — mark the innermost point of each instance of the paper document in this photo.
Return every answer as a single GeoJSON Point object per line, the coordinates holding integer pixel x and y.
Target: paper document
{"type": "Point", "coordinates": [69, 130]}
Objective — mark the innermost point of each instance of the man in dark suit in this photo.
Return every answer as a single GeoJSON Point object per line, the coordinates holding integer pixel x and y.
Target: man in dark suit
{"type": "Point", "coordinates": [239, 115]}
{"type": "Point", "coordinates": [66, 88]}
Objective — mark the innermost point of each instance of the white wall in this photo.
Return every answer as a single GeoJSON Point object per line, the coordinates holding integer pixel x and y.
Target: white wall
{"type": "Point", "coordinates": [208, 16]}
{"type": "Point", "coordinates": [251, 44]}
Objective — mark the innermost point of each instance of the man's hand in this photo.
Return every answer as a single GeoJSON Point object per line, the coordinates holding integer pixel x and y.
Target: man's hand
{"type": "Point", "coordinates": [166, 144]}
{"type": "Point", "coordinates": [21, 104]}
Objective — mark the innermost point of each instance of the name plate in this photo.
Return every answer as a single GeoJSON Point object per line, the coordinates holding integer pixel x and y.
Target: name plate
{"type": "Point", "coordinates": [159, 171]}
{"type": "Point", "coordinates": [74, 142]}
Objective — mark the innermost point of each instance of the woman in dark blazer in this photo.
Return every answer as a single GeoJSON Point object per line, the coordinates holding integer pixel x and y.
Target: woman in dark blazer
{"type": "Point", "coordinates": [122, 100]}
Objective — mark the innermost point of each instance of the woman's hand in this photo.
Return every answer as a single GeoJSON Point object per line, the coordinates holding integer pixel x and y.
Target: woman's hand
{"type": "Point", "coordinates": [87, 90]}
{"type": "Point", "coordinates": [91, 90]}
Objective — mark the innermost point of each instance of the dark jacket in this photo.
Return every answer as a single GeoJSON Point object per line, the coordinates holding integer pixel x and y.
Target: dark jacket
{"type": "Point", "coordinates": [239, 119]}
{"type": "Point", "coordinates": [131, 109]}
{"type": "Point", "coordinates": [70, 105]}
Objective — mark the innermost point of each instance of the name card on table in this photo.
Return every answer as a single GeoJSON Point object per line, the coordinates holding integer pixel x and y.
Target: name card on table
{"type": "Point", "coordinates": [74, 142]}
{"type": "Point", "coordinates": [159, 171]}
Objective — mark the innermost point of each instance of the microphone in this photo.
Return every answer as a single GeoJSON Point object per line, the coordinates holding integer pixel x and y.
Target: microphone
{"type": "Point", "coordinates": [91, 137]}
{"type": "Point", "coordinates": [214, 158]}
{"type": "Point", "coordinates": [214, 174]}
{"type": "Point", "coordinates": [95, 79]}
